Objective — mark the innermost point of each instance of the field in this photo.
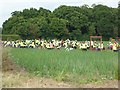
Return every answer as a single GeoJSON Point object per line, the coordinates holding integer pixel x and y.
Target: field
{"type": "Point", "coordinates": [74, 66]}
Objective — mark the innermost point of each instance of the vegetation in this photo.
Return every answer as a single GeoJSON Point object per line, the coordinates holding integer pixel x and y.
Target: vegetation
{"type": "Point", "coordinates": [64, 22]}
{"type": "Point", "coordinates": [10, 37]}
{"type": "Point", "coordinates": [0, 30]}
{"type": "Point", "coordinates": [69, 66]}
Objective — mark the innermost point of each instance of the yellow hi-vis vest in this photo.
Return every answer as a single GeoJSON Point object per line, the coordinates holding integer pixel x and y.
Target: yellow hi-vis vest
{"type": "Point", "coordinates": [114, 47]}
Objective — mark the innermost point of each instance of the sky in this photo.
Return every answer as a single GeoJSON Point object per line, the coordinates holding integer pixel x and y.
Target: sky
{"type": "Point", "coordinates": [9, 6]}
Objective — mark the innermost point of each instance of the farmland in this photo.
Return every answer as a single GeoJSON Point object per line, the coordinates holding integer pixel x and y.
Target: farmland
{"type": "Point", "coordinates": [74, 66]}
{"type": "Point", "coordinates": [64, 47]}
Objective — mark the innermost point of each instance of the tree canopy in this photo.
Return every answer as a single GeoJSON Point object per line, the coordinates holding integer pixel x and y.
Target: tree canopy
{"type": "Point", "coordinates": [64, 22]}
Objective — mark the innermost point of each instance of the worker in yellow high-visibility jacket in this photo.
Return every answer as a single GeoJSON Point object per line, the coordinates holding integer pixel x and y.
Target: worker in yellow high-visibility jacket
{"type": "Point", "coordinates": [114, 47]}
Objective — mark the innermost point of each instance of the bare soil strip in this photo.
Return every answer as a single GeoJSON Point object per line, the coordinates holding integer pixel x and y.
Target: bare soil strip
{"type": "Point", "coordinates": [23, 80]}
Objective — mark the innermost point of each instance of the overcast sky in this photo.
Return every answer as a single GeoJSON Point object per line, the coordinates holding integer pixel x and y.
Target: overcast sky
{"type": "Point", "coordinates": [9, 6]}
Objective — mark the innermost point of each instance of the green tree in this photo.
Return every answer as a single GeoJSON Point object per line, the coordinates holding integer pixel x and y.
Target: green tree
{"type": "Point", "coordinates": [64, 22]}
{"type": "Point", "coordinates": [103, 18]}
{"type": "Point", "coordinates": [58, 28]}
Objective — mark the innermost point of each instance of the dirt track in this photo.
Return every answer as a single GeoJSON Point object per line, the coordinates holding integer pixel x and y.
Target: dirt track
{"type": "Point", "coordinates": [22, 79]}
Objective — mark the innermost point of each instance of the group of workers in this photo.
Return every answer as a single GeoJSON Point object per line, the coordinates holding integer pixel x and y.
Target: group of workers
{"type": "Point", "coordinates": [58, 44]}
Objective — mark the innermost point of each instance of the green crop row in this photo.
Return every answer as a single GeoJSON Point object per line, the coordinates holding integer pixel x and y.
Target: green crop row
{"type": "Point", "coordinates": [69, 66]}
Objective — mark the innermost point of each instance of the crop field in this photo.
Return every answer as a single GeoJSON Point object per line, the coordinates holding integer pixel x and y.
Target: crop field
{"type": "Point", "coordinates": [69, 66]}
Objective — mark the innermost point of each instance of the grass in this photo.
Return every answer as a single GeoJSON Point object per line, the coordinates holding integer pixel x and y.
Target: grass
{"type": "Point", "coordinates": [68, 66]}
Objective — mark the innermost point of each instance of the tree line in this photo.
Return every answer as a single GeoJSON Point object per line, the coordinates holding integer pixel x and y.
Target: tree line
{"type": "Point", "coordinates": [73, 22]}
